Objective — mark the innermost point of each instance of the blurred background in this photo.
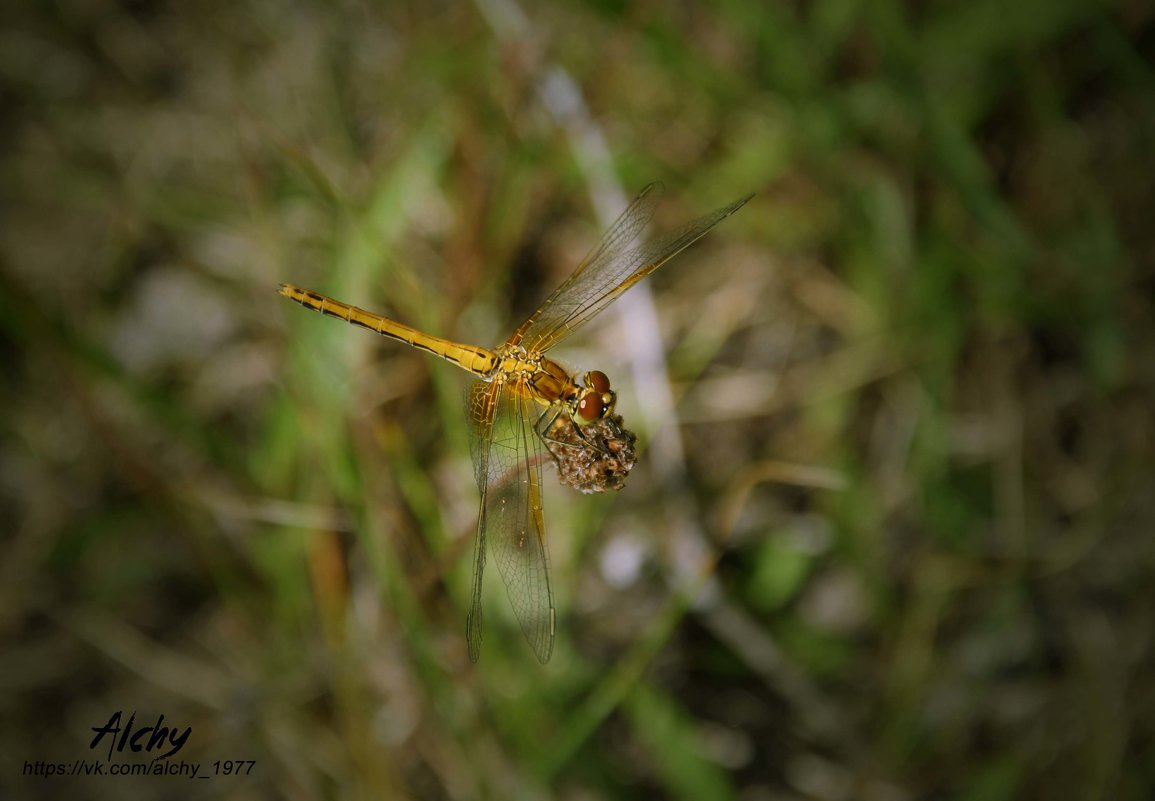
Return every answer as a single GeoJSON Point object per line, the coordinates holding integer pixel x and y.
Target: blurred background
{"type": "Point", "coordinates": [890, 534]}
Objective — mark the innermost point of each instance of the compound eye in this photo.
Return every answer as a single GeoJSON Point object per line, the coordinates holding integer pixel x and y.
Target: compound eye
{"type": "Point", "coordinates": [598, 381]}
{"type": "Point", "coordinates": [590, 408]}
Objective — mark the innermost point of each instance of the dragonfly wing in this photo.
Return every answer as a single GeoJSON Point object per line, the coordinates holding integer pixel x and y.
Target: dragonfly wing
{"type": "Point", "coordinates": [590, 290]}
{"type": "Point", "coordinates": [480, 405]}
{"type": "Point", "coordinates": [508, 457]}
{"type": "Point", "coordinates": [614, 242]}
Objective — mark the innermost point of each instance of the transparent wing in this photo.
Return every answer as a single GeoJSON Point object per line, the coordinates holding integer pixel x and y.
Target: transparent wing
{"type": "Point", "coordinates": [507, 459]}
{"type": "Point", "coordinates": [611, 270]}
{"type": "Point", "coordinates": [480, 406]}
{"type": "Point", "coordinates": [625, 229]}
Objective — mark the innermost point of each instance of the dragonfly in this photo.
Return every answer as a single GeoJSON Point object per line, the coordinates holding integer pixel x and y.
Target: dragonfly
{"type": "Point", "coordinates": [526, 410]}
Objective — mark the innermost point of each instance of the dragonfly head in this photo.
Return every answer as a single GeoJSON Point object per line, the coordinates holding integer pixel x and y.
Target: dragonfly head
{"type": "Point", "coordinates": [597, 401]}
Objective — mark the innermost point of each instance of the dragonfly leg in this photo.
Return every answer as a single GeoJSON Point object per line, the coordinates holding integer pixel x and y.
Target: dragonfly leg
{"type": "Point", "coordinates": [614, 425]}
{"type": "Point", "coordinates": [545, 423]}
{"type": "Point", "coordinates": [547, 420]}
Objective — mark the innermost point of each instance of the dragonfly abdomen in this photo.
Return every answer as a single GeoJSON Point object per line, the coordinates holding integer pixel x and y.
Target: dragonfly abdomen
{"type": "Point", "coordinates": [479, 361]}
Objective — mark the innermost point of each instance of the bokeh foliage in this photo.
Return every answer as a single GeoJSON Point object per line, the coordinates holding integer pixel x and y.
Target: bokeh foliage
{"type": "Point", "coordinates": [892, 535]}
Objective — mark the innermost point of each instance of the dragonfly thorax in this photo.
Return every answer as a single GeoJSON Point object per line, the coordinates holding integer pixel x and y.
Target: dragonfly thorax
{"type": "Point", "coordinates": [588, 400]}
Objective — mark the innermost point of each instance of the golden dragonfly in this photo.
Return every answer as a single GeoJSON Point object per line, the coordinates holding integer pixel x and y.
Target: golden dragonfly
{"type": "Point", "coordinates": [525, 405]}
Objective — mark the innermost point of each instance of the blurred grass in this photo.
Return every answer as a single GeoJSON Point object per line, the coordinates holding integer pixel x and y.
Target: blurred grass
{"type": "Point", "coordinates": [907, 556]}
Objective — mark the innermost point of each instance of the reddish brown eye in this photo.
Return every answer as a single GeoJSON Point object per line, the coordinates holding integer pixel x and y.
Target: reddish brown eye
{"type": "Point", "coordinates": [590, 407]}
{"type": "Point", "coordinates": [598, 381]}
